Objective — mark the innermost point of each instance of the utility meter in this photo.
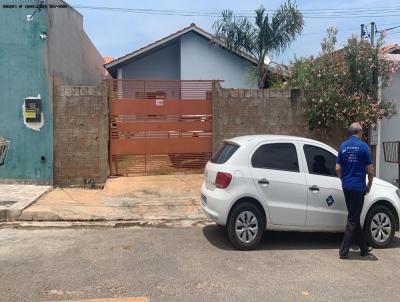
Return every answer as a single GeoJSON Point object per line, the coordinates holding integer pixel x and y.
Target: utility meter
{"type": "Point", "coordinates": [33, 111]}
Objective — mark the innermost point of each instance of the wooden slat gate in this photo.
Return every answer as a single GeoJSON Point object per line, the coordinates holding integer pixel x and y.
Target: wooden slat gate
{"type": "Point", "coordinates": [159, 127]}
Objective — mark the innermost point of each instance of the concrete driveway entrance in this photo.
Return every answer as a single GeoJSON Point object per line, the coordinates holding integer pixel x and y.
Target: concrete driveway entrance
{"type": "Point", "coordinates": [164, 199]}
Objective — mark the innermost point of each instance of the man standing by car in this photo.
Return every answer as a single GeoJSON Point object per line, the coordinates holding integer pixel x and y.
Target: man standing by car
{"type": "Point", "coordinates": [353, 163]}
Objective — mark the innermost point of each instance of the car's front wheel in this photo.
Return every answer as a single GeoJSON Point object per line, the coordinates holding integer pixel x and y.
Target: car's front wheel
{"type": "Point", "coordinates": [246, 226]}
{"type": "Point", "coordinates": [379, 226]}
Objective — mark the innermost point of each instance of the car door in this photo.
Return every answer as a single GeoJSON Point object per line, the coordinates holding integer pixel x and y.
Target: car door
{"type": "Point", "coordinates": [326, 203]}
{"type": "Point", "coordinates": [276, 174]}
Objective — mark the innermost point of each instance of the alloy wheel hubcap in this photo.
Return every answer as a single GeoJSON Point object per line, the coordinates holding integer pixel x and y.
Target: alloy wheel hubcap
{"type": "Point", "coordinates": [246, 226]}
{"type": "Point", "coordinates": [381, 227]}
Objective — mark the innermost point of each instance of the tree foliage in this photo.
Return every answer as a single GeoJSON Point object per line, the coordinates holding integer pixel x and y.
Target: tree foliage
{"type": "Point", "coordinates": [343, 86]}
{"type": "Point", "coordinates": [266, 36]}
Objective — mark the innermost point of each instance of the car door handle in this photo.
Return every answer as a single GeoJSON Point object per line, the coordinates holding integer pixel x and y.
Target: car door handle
{"type": "Point", "coordinates": [263, 181]}
{"type": "Point", "coordinates": [314, 188]}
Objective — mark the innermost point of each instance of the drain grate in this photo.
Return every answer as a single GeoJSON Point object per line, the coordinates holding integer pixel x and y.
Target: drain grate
{"type": "Point", "coordinates": [7, 203]}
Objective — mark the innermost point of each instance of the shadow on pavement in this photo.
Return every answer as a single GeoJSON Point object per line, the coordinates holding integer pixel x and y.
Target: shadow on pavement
{"type": "Point", "coordinates": [353, 255]}
{"type": "Point", "coordinates": [218, 237]}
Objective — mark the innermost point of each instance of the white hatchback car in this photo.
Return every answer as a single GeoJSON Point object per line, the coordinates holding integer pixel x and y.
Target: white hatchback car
{"type": "Point", "coordinates": [260, 182]}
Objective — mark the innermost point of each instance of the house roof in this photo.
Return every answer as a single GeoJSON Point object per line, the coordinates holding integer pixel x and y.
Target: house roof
{"type": "Point", "coordinates": [391, 49]}
{"type": "Point", "coordinates": [108, 59]}
{"type": "Point", "coordinates": [192, 28]}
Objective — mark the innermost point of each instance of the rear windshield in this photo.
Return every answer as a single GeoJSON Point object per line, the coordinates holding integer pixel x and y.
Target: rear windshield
{"type": "Point", "coordinates": [224, 153]}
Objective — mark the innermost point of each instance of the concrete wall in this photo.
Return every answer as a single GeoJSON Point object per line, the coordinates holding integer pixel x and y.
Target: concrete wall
{"type": "Point", "coordinates": [202, 61]}
{"type": "Point", "coordinates": [73, 59]}
{"type": "Point", "coordinates": [239, 112]}
{"type": "Point", "coordinates": [80, 135]}
{"type": "Point", "coordinates": [23, 73]}
{"type": "Point", "coordinates": [390, 130]}
{"type": "Point", "coordinates": [161, 64]}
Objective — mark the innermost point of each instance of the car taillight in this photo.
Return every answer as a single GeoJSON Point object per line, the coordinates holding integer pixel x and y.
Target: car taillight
{"type": "Point", "coordinates": [223, 180]}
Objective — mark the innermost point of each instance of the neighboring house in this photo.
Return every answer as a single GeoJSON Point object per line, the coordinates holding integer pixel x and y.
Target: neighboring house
{"type": "Point", "coordinates": [188, 54]}
{"type": "Point", "coordinates": [389, 129]}
{"type": "Point", "coordinates": [39, 49]}
{"type": "Point", "coordinates": [107, 59]}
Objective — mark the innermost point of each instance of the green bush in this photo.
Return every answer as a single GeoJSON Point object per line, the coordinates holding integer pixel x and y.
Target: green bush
{"type": "Point", "coordinates": [343, 86]}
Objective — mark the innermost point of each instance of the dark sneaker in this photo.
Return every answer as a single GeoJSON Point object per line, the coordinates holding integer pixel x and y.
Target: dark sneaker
{"type": "Point", "coordinates": [345, 256]}
{"type": "Point", "coordinates": [366, 253]}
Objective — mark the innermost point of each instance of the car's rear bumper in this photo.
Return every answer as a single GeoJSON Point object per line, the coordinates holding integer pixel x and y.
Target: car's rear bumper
{"type": "Point", "coordinates": [215, 203]}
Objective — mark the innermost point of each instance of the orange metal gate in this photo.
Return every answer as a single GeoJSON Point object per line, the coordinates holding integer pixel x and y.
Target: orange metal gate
{"type": "Point", "coordinates": [159, 127]}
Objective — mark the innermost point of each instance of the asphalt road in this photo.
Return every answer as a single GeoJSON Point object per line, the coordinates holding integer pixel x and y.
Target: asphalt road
{"type": "Point", "coordinates": [196, 264]}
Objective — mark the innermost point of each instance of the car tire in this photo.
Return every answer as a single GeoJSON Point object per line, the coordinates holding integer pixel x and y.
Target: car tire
{"type": "Point", "coordinates": [246, 226]}
{"type": "Point", "coordinates": [379, 226]}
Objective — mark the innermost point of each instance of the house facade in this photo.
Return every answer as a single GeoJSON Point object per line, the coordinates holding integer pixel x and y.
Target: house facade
{"type": "Point", "coordinates": [389, 129]}
{"type": "Point", "coordinates": [40, 48]}
{"type": "Point", "coordinates": [188, 54]}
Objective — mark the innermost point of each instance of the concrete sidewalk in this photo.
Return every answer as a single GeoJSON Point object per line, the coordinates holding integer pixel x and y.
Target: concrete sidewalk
{"type": "Point", "coordinates": [15, 198]}
{"type": "Point", "coordinates": [163, 199]}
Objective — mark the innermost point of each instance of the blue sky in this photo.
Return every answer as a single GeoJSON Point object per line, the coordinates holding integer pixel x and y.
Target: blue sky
{"type": "Point", "coordinates": [118, 33]}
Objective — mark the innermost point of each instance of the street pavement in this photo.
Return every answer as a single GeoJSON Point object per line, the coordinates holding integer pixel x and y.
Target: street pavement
{"type": "Point", "coordinates": [188, 264]}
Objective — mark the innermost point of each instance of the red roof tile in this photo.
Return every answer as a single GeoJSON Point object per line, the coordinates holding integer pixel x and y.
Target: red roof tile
{"type": "Point", "coordinates": [108, 59]}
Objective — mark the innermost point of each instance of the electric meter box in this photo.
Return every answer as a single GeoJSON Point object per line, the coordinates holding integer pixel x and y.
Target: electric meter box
{"type": "Point", "coordinates": [33, 111]}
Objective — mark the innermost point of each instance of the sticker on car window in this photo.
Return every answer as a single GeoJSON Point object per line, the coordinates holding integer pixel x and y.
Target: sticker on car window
{"type": "Point", "coordinates": [330, 200]}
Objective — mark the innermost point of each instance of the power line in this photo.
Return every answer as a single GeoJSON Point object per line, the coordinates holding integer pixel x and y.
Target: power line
{"type": "Point", "coordinates": [311, 13]}
{"type": "Point", "coordinates": [347, 30]}
{"type": "Point", "coordinates": [387, 29]}
{"type": "Point", "coordinates": [314, 11]}
{"type": "Point", "coordinates": [389, 24]}
{"type": "Point", "coordinates": [394, 32]}
{"type": "Point", "coordinates": [379, 12]}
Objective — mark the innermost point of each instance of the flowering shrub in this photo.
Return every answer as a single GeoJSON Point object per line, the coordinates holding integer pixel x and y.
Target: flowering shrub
{"type": "Point", "coordinates": [341, 87]}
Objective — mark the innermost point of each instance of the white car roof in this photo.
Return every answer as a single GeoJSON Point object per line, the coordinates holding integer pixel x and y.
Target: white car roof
{"type": "Point", "coordinates": [254, 139]}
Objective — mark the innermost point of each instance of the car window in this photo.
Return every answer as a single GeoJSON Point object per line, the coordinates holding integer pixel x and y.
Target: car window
{"type": "Point", "coordinates": [276, 156]}
{"type": "Point", "coordinates": [320, 161]}
{"type": "Point", "coordinates": [224, 153]}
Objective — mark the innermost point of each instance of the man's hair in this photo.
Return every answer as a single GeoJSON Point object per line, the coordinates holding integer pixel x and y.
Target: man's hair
{"type": "Point", "coordinates": [354, 128]}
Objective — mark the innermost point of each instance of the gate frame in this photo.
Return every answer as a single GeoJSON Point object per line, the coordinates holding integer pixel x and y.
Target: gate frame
{"type": "Point", "coordinates": [115, 89]}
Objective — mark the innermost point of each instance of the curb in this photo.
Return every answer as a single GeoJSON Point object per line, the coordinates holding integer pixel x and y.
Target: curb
{"type": "Point", "coordinates": [8, 214]}
{"type": "Point", "coordinates": [176, 223]}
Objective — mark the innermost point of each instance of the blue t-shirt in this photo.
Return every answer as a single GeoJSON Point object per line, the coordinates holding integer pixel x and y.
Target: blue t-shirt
{"type": "Point", "coordinates": [353, 157]}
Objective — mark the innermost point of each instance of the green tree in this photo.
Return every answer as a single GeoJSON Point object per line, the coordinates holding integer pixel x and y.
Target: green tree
{"type": "Point", "coordinates": [341, 86]}
{"type": "Point", "coordinates": [266, 36]}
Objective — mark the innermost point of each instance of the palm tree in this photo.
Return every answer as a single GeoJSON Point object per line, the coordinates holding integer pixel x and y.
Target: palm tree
{"type": "Point", "coordinates": [265, 36]}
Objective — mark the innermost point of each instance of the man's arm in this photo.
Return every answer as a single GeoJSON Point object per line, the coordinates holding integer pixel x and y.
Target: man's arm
{"type": "Point", "coordinates": [339, 162]}
{"type": "Point", "coordinates": [369, 167]}
{"type": "Point", "coordinates": [370, 171]}
{"type": "Point", "coordinates": [338, 169]}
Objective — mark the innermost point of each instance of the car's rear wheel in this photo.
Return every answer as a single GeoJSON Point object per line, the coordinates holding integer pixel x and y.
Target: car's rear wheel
{"type": "Point", "coordinates": [379, 226]}
{"type": "Point", "coordinates": [246, 226]}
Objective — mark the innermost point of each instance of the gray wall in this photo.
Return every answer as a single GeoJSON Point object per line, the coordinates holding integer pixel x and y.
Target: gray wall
{"type": "Point", "coordinates": [202, 61]}
{"type": "Point", "coordinates": [73, 59]}
{"type": "Point", "coordinates": [161, 64]}
{"type": "Point", "coordinates": [239, 112]}
{"type": "Point", "coordinates": [80, 136]}
{"type": "Point", "coordinates": [390, 129]}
